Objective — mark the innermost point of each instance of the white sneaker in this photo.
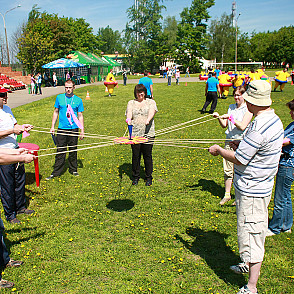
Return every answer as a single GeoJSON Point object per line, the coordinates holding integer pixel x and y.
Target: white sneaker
{"type": "Point", "coordinates": [288, 231]}
{"type": "Point", "coordinates": [270, 233]}
{"type": "Point", "coordinates": [241, 268]}
{"type": "Point", "coordinates": [245, 290]}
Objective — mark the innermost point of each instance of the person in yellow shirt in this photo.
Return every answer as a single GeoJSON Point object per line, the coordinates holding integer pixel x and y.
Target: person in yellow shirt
{"type": "Point", "coordinates": [253, 76]}
{"type": "Point", "coordinates": [225, 84]}
{"type": "Point", "coordinates": [238, 80]}
{"type": "Point", "coordinates": [281, 79]}
{"type": "Point", "coordinates": [110, 77]}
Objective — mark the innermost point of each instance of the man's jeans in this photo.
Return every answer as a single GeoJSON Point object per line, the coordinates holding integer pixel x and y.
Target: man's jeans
{"type": "Point", "coordinates": [283, 215]}
{"type": "Point", "coordinates": [169, 80]}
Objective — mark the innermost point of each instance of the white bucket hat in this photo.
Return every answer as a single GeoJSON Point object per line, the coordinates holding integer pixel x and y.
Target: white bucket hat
{"type": "Point", "coordinates": [258, 93]}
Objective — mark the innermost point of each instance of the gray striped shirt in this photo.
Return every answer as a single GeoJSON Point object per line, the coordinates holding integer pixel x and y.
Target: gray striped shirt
{"type": "Point", "coordinates": [259, 154]}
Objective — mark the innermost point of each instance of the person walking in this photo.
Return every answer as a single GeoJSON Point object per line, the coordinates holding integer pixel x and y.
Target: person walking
{"type": "Point", "coordinates": [187, 72]}
{"type": "Point", "coordinates": [39, 83]}
{"type": "Point", "coordinates": [125, 76]}
{"type": "Point", "coordinates": [256, 160]}
{"type": "Point", "coordinates": [148, 83]}
{"type": "Point", "coordinates": [169, 76]}
{"type": "Point", "coordinates": [211, 90]}
{"type": "Point", "coordinates": [69, 108]}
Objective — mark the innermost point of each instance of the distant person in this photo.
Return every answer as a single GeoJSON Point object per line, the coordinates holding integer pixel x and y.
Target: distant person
{"type": "Point", "coordinates": [33, 84]}
{"type": "Point", "coordinates": [147, 82]}
{"type": "Point", "coordinates": [211, 90]}
{"type": "Point", "coordinates": [225, 84]}
{"type": "Point", "coordinates": [78, 76]}
{"type": "Point", "coordinates": [46, 79]}
{"type": "Point", "coordinates": [39, 83]}
{"type": "Point", "coordinates": [281, 79]}
{"type": "Point", "coordinates": [169, 76]}
{"type": "Point", "coordinates": [125, 76]}
{"type": "Point", "coordinates": [218, 72]}
{"type": "Point", "coordinates": [67, 76]}
{"type": "Point", "coordinates": [54, 77]}
{"type": "Point", "coordinates": [69, 108]}
{"type": "Point", "coordinates": [187, 72]}
{"type": "Point", "coordinates": [177, 76]}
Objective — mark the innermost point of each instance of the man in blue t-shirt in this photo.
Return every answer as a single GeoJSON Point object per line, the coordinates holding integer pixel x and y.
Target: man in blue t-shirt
{"type": "Point", "coordinates": [147, 82]}
{"type": "Point", "coordinates": [211, 89]}
{"type": "Point", "coordinates": [69, 108]}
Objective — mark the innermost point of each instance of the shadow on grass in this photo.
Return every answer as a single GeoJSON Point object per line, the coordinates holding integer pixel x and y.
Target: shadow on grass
{"type": "Point", "coordinates": [126, 169]}
{"type": "Point", "coordinates": [31, 179]}
{"type": "Point", "coordinates": [209, 186]}
{"type": "Point", "coordinates": [211, 247]}
{"type": "Point", "coordinates": [120, 204]}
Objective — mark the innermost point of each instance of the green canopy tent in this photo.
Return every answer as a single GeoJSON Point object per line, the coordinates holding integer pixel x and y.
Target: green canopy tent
{"type": "Point", "coordinates": [103, 67]}
{"type": "Point", "coordinates": [90, 72]}
{"type": "Point", "coordinates": [113, 64]}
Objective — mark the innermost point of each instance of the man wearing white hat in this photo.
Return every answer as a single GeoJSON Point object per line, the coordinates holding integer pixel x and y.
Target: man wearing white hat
{"type": "Point", "coordinates": [255, 160]}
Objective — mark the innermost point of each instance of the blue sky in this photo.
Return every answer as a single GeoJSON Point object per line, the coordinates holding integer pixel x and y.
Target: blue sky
{"type": "Point", "coordinates": [258, 15]}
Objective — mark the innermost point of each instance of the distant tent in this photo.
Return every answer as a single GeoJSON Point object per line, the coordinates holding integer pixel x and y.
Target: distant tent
{"type": "Point", "coordinates": [62, 63]}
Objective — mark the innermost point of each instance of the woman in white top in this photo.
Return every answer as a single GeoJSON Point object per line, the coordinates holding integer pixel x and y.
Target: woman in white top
{"type": "Point", "coordinates": [236, 121]}
{"type": "Point", "coordinates": [140, 113]}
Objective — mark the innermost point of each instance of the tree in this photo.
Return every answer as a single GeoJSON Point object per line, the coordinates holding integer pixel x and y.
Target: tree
{"type": "Point", "coordinates": [109, 40]}
{"type": "Point", "coordinates": [170, 31]}
{"type": "Point", "coordinates": [221, 45]}
{"type": "Point", "coordinates": [144, 30]}
{"type": "Point", "coordinates": [192, 35]}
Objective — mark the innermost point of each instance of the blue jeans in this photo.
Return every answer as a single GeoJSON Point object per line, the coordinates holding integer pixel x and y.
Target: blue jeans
{"type": "Point", "coordinates": [169, 80]}
{"type": "Point", "coordinates": [283, 215]}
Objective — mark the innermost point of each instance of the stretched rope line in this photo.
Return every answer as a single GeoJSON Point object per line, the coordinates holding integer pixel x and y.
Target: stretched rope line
{"type": "Point", "coordinates": [80, 149]}
{"type": "Point", "coordinates": [181, 124]}
{"type": "Point", "coordinates": [171, 145]}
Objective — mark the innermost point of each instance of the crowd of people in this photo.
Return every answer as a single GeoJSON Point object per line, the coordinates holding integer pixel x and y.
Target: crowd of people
{"type": "Point", "coordinates": [251, 159]}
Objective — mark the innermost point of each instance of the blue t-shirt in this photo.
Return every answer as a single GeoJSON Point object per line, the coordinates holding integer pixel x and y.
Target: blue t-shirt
{"type": "Point", "coordinates": [217, 71]}
{"type": "Point", "coordinates": [212, 84]}
{"type": "Point", "coordinates": [61, 103]}
{"type": "Point", "coordinates": [147, 82]}
{"type": "Point", "coordinates": [289, 149]}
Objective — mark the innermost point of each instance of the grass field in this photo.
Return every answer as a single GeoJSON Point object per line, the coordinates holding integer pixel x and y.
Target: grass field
{"type": "Point", "coordinates": [98, 234]}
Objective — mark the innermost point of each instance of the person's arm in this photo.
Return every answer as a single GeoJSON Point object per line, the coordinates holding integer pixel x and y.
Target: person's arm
{"type": "Point", "coordinates": [242, 125]}
{"type": "Point", "coordinates": [222, 121]}
{"type": "Point", "coordinates": [129, 113]}
{"type": "Point", "coordinates": [81, 119]}
{"type": "Point", "coordinates": [229, 155]}
{"type": "Point", "coordinates": [10, 156]}
{"type": "Point", "coordinates": [17, 129]}
{"type": "Point", "coordinates": [206, 88]}
{"type": "Point", "coordinates": [151, 90]}
{"type": "Point", "coordinates": [218, 89]}
{"type": "Point", "coordinates": [151, 113]}
{"type": "Point", "coordinates": [54, 119]}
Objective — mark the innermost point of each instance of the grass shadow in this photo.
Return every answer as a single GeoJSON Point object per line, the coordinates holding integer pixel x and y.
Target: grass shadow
{"type": "Point", "coordinates": [211, 246]}
{"type": "Point", "coordinates": [120, 205]}
{"type": "Point", "coordinates": [209, 186]}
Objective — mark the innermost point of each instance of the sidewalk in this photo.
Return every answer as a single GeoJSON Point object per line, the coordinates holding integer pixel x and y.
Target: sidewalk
{"type": "Point", "coordinates": [21, 97]}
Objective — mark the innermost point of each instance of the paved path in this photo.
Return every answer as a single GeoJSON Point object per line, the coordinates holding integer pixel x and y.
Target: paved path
{"type": "Point", "coordinates": [21, 97]}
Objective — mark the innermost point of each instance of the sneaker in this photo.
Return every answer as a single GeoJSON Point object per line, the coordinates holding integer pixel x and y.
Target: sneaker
{"type": "Point", "coordinates": [76, 174]}
{"type": "Point", "coordinates": [14, 263]}
{"type": "Point", "coordinates": [149, 182]}
{"type": "Point", "coordinates": [245, 290]}
{"type": "Point", "coordinates": [135, 182]}
{"type": "Point", "coordinates": [270, 233]}
{"type": "Point", "coordinates": [288, 231]}
{"type": "Point", "coordinates": [6, 284]}
{"type": "Point", "coordinates": [26, 211]}
{"type": "Point", "coordinates": [225, 200]}
{"type": "Point", "coordinates": [240, 268]}
{"type": "Point", "coordinates": [14, 221]}
{"type": "Point", "coordinates": [49, 178]}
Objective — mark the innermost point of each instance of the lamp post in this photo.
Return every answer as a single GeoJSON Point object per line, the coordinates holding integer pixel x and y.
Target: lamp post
{"type": "Point", "coordinates": [236, 51]}
{"type": "Point", "coordinates": [3, 16]}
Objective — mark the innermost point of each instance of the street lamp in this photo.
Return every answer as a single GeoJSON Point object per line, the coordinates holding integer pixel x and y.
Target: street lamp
{"type": "Point", "coordinates": [236, 20]}
{"type": "Point", "coordinates": [3, 16]}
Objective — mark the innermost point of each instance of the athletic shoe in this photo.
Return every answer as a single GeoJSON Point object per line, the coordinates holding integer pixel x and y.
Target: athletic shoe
{"type": "Point", "coordinates": [14, 221]}
{"type": "Point", "coordinates": [288, 231]}
{"type": "Point", "coordinates": [76, 174]}
{"type": "Point", "coordinates": [245, 290]}
{"type": "Point", "coordinates": [225, 200]}
{"type": "Point", "coordinates": [135, 182]}
{"type": "Point", "coordinates": [270, 233]}
{"type": "Point", "coordinates": [14, 263]}
{"type": "Point", "coordinates": [6, 284]}
{"type": "Point", "coordinates": [49, 178]}
{"type": "Point", "coordinates": [149, 182]}
{"type": "Point", "coordinates": [241, 268]}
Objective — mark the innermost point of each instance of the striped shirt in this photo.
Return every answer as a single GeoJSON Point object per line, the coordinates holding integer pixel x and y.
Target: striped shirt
{"type": "Point", "coordinates": [259, 154]}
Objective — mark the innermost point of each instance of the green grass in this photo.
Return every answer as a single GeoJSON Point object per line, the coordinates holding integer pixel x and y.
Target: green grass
{"type": "Point", "coordinates": [98, 234]}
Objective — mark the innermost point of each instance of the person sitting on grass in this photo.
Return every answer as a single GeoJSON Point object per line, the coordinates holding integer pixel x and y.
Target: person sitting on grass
{"type": "Point", "coordinates": [236, 121]}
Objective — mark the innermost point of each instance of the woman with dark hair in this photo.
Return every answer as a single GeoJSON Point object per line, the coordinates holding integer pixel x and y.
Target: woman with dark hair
{"type": "Point", "coordinates": [282, 220]}
{"type": "Point", "coordinates": [140, 113]}
{"type": "Point", "coordinates": [236, 121]}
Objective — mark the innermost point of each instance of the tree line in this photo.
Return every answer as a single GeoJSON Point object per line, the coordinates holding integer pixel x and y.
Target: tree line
{"type": "Point", "coordinates": [148, 39]}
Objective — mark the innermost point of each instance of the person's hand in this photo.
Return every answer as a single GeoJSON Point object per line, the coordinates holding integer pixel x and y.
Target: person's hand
{"type": "Point", "coordinates": [82, 135]}
{"type": "Point", "coordinates": [147, 122]}
{"type": "Point", "coordinates": [28, 127]}
{"type": "Point", "coordinates": [17, 129]}
{"type": "Point", "coordinates": [215, 114]}
{"type": "Point", "coordinates": [213, 150]}
{"type": "Point", "coordinates": [234, 144]}
{"type": "Point", "coordinates": [28, 158]}
{"type": "Point", "coordinates": [52, 131]}
{"type": "Point", "coordinates": [20, 151]}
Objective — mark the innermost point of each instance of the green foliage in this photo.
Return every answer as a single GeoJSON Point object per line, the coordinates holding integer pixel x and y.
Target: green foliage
{"type": "Point", "coordinates": [47, 37]}
{"type": "Point", "coordinates": [144, 32]}
{"type": "Point", "coordinates": [109, 40]}
{"type": "Point", "coordinates": [192, 33]}
{"type": "Point", "coordinates": [221, 39]}
{"type": "Point", "coordinates": [170, 31]}
{"type": "Point", "coordinates": [98, 234]}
